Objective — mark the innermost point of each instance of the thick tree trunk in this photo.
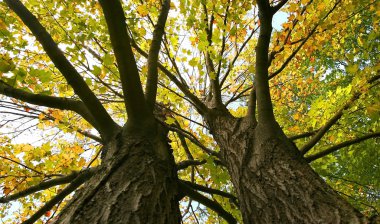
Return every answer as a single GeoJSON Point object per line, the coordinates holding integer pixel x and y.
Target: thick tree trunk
{"type": "Point", "coordinates": [273, 182]}
{"type": "Point", "coordinates": [137, 183]}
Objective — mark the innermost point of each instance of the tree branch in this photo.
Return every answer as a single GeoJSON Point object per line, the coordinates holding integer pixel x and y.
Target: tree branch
{"type": "Point", "coordinates": [129, 74]}
{"type": "Point", "coordinates": [303, 135]}
{"type": "Point", "coordinates": [49, 101]}
{"type": "Point", "coordinates": [263, 99]}
{"type": "Point", "coordinates": [184, 164]}
{"type": "Point", "coordinates": [207, 202]}
{"type": "Point", "coordinates": [23, 165]}
{"type": "Point", "coordinates": [41, 186]}
{"type": "Point", "coordinates": [106, 125]}
{"type": "Point", "coordinates": [322, 131]}
{"type": "Point", "coordinates": [79, 180]}
{"type": "Point", "coordinates": [215, 92]}
{"type": "Point", "coordinates": [151, 83]}
{"type": "Point", "coordinates": [193, 139]}
{"type": "Point", "coordinates": [199, 105]}
{"type": "Point", "coordinates": [341, 145]}
{"type": "Point", "coordinates": [211, 191]}
{"type": "Point", "coordinates": [289, 59]}
{"type": "Point", "coordinates": [278, 6]}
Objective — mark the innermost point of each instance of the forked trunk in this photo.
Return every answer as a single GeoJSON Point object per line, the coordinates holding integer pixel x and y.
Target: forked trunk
{"type": "Point", "coordinates": [136, 184]}
{"type": "Point", "coordinates": [273, 182]}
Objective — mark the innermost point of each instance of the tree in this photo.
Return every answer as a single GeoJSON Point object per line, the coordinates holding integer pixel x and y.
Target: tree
{"type": "Point", "coordinates": [216, 102]}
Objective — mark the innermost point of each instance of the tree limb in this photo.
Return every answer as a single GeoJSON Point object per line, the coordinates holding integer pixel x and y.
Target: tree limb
{"type": "Point", "coordinates": [341, 145]}
{"type": "Point", "coordinates": [278, 6]}
{"type": "Point", "coordinates": [193, 139]}
{"type": "Point", "coordinates": [289, 59]}
{"type": "Point", "coordinates": [49, 101]}
{"type": "Point", "coordinates": [184, 164]}
{"type": "Point", "coordinates": [322, 131]}
{"type": "Point", "coordinates": [201, 107]}
{"type": "Point", "coordinates": [211, 191]}
{"type": "Point", "coordinates": [263, 99]}
{"type": "Point", "coordinates": [303, 135]}
{"type": "Point", "coordinates": [79, 180]}
{"type": "Point", "coordinates": [207, 202]}
{"type": "Point", "coordinates": [41, 186]}
{"type": "Point", "coordinates": [151, 83]}
{"type": "Point", "coordinates": [23, 165]}
{"type": "Point", "coordinates": [215, 92]}
{"type": "Point", "coordinates": [129, 74]}
{"type": "Point", "coordinates": [104, 122]}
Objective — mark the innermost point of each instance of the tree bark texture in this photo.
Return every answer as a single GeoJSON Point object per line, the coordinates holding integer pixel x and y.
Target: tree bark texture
{"type": "Point", "coordinates": [273, 182]}
{"type": "Point", "coordinates": [137, 183]}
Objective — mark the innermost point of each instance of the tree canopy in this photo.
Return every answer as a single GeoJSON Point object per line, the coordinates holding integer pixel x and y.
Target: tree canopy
{"type": "Point", "coordinates": [73, 72]}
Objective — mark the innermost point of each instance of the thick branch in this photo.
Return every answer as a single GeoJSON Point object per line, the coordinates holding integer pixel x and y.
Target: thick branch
{"type": "Point", "coordinates": [151, 83]}
{"type": "Point", "coordinates": [49, 101]}
{"type": "Point", "coordinates": [79, 180]}
{"type": "Point", "coordinates": [129, 75]}
{"type": "Point", "coordinates": [41, 186]}
{"type": "Point", "coordinates": [207, 202]}
{"type": "Point", "coordinates": [264, 103]}
{"type": "Point", "coordinates": [341, 145]}
{"type": "Point", "coordinates": [105, 123]}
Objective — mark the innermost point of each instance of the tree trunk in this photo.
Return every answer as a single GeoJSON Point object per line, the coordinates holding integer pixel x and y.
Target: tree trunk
{"type": "Point", "coordinates": [273, 182]}
{"type": "Point", "coordinates": [136, 183]}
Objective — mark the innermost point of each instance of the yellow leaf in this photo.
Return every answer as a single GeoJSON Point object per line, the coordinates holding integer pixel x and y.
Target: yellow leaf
{"type": "Point", "coordinates": [172, 5]}
{"type": "Point", "coordinates": [3, 26]}
{"type": "Point", "coordinates": [142, 10]}
{"type": "Point", "coordinates": [170, 120]}
{"type": "Point", "coordinates": [6, 190]}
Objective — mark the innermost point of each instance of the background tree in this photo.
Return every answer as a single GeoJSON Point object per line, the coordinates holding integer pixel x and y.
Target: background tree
{"type": "Point", "coordinates": [148, 104]}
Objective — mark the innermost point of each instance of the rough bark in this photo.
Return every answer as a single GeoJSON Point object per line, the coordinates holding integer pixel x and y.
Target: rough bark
{"type": "Point", "coordinates": [137, 183]}
{"type": "Point", "coordinates": [274, 183]}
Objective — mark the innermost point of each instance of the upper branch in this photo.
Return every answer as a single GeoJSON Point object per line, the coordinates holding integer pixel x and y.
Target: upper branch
{"type": "Point", "coordinates": [49, 101]}
{"type": "Point", "coordinates": [213, 75]}
{"type": "Point", "coordinates": [129, 74]}
{"type": "Point", "coordinates": [322, 131]}
{"type": "Point", "coordinates": [264, 103]}
{"type": "Point", "coordinates": [104, 121]}
{"type": "Point", "coordinates": [151, 83]}
{"type": "Point", "coordinates": [341, 145]}
{"type": "Point", "coordinates": [278, 6]}
{"type": "Point", "coordinates": [199, 105]}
